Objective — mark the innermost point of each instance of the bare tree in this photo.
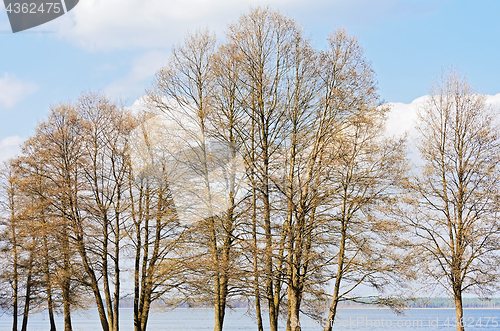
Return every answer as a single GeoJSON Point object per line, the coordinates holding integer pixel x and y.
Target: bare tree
{"type": "Point", "coordinates": [105, 134]}
{"type": "Point", "coordinates": [10, 238]}
{"type": "Point", "coordinates": [26, 237]}
{"type": "Point", "coordinates": [184, 92]}
{"type": "Point", "coordinates": [455, 206]}
{"type": "Point", "coordinates": [75, 196]}
{"type": "Point", "coordinates": [155, 232]}
{"type": "Point", "coordinates": [361, 172]}
{"type": "Point", "coordinates": [364, 175]}
{"type": "Point", "coordinates": [56, 145]}
{"type": "Point", "coordinates": [265, 43]}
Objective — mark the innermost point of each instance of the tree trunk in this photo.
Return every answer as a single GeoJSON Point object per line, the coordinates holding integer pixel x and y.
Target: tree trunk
{"type": "Point", "coordinates": [116, 294]}
{"type": "Point", "coordinates": [255, 259]}
{"type": "Point", "coordinates": [93, 282]}
{"type": "Point", "coordinates": [273, 314]}
{"type": "Point", "coordinates": [258, 312]}
{"type": "Point", "coordinates": [67, 310]}
{"type": "Point", "coordinates": [65, 287]}
{"type": "Point", "coordinates": [50, 305]}
{"type": "Point", "coordinates": [27, 297]}
{"type": "Point", "coordinates": [48, 286]}
{"type": "Point", "coordinates": [459, 312]}
{"type": "Point", "coordinates": [137, 293]}
{"type": "Point", "coordinates": [105, 275]}
{"type": "Point", "coordinates": [222, 282]}
{"type": "Point", "coordinates": [294, 304]}
{"type": "Point", "coordinates": [217, 280]}
{"type": "Point", "coordinates": [338, 278]}
{"type": "Point", "coordinates": [295, 286]}
{"type": "Point", "coordinates": [16, 282]}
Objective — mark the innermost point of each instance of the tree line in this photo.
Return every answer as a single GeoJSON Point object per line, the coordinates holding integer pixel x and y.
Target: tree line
{"type": "Point", "coordinates": [260, 171]}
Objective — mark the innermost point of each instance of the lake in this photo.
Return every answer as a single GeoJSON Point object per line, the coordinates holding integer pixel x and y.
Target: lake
{"type": "Point", "coordinates": [238, 319]}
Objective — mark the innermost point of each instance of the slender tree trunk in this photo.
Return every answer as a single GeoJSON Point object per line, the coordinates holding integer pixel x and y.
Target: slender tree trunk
{"type": "Point", "coordinates": [143, 308]}
{"type": "Point", "coordinates": [27, 297]}
{"type": "Point", "coordinates": [145, 311]}
{"type": "Point", "coordinates": [137, 324]}
{"type": "Point", "coordinates": [93, 282]}
{"type": "Point", "coordinates": [222, 286]}
{"type": "Point", "coordinates": [48, 286]}
{"type": "Point", "coordinates": [15, 303]}
{"type": "Point", "coordinates": [137, 288]}
{"type": "Point", "coordinates": [224, 277]}
{"type": "Point", "coordinates": [217, 280]}
{"type": "Point", "coordinates": [67, 308]}
{"type": "Point", "coordinates": [256, 259]}
{"type": "Point", "coordinates": [66, 280]}
{"type": "Point", "coordinates": [338, 278]}
{"type": "Point", "coordinates": [273, 314]}
{"type": "Point", "coordinates": [50, 305]}
{"type": "Point", "coordinates": [116, 294]}
{"type": "Point", "coordinates": [294, 298]}
{"type": "Point", "coordinates": [105, 274]}
{"type": "Point", "coordinates": [146, 300]}
{"type": "Point", "coordinates": [293, 318]}
{"type": "Point", "coordinates": [16, 279]}
{"type": "Point", "coordinates": [295, 286]}
{"type": "Point", "coordinates": [459, 312]}
{"type": "Point", "coordinates": [258, 312]}
{"type": "Point", "coordinates": [136, 216]}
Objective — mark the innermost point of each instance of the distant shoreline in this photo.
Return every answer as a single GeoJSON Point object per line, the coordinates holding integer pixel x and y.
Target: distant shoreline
{"type": "Point", "coordinates": [238, 308]}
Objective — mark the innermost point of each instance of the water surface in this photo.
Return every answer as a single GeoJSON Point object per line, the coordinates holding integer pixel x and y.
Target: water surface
{"type": "Point", "coordinates": [239, 320]}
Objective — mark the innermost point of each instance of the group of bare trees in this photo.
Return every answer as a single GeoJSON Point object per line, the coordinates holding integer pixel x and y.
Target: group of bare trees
{"type": "Point", "coordinates": [73, 208]}
{"type": "Point", "coordinates": [262, 172]}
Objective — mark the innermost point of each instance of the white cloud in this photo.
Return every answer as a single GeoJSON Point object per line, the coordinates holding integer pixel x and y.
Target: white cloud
{"type": "Point", "coordinates": [143, 68]}
{"type": "Point", "coordinates": [402, 119]}
{"type": "Point", "coordinates": [121, 24]}
{"type": "Point", "coordinates": [10, 147]}
{"type": "Point", "coordinates": [112, 24]}
{"type": "Point", "coordinates": [12, 90]}
{"type": "Point", "coordinates": [493, 101]}
{"type": "Point", "coordinates": [139, 106]}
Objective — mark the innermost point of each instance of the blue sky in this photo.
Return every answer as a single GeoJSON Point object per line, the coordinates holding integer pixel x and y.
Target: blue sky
{"type": "Point", "coordinates": [115, 46]}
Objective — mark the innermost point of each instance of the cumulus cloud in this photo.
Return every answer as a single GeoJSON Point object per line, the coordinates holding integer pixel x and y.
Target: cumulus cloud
{"type": "Point", "coordinates": [494, 102]}
{"type": "Point", "coordinates": [402, 119]}
{"type": "Point", "coordinates": [10, 147]}
{"type": "Point", "coordinates": [403, 116]}
{"type": "Point", "coordinates": [12, 90]}
{"type": "Point", "coordinates": [138, 106]}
